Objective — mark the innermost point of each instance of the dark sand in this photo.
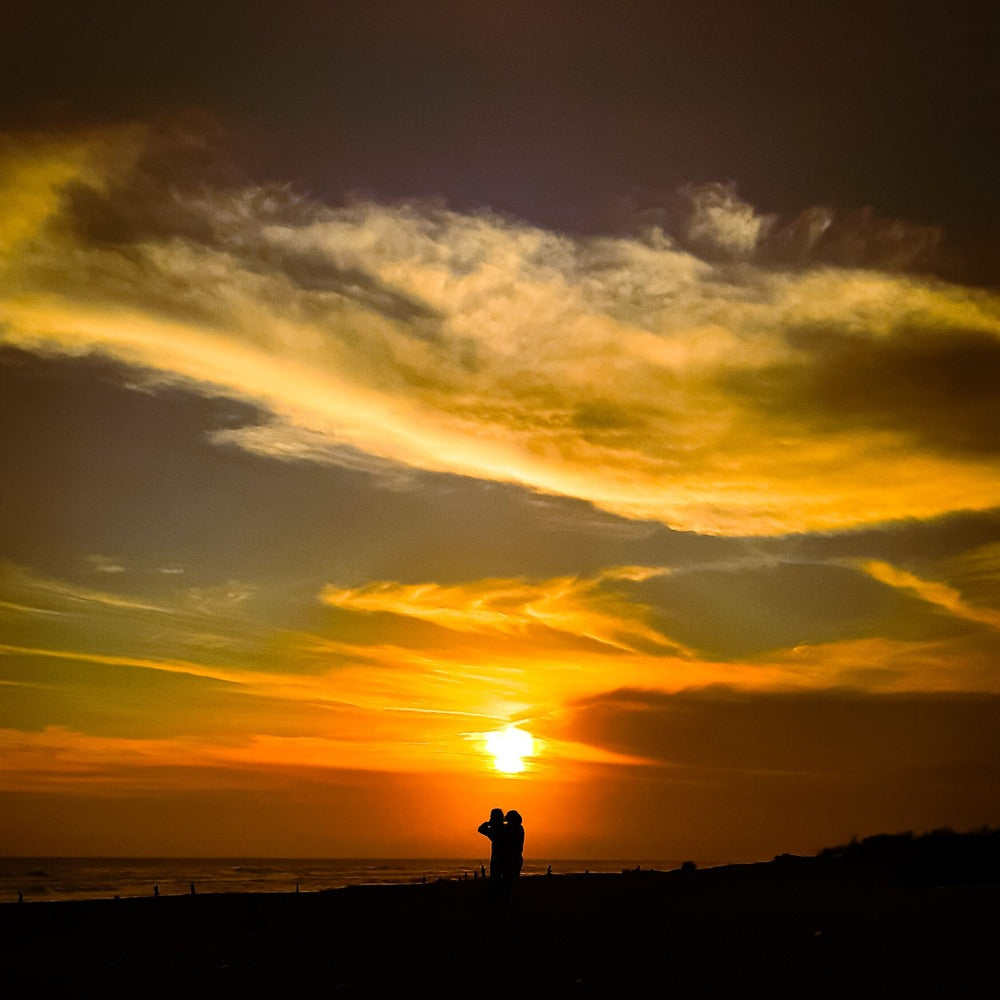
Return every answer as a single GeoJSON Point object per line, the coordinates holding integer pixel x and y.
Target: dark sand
{"type": "Point", "coordinates": [782, 929]}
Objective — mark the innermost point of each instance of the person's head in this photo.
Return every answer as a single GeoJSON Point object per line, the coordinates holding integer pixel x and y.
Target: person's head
{"type": "Point", "coordinates": [513, 817]}
{"type": "Point", "coordinates": [496, 815]}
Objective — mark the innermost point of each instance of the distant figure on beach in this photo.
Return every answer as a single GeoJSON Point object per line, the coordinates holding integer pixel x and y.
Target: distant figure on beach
{"type": "Point", "coordinates": [493, 828]}
{"type": "Point", "coordinates": [514, 852]}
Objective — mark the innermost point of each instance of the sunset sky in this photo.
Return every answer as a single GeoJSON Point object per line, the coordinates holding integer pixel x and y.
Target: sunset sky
{"type": "Point", "coordinates": [375, 378]}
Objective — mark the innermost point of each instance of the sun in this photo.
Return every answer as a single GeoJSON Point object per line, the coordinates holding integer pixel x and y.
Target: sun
{"type": "Point", "coordinates": [509, 747]}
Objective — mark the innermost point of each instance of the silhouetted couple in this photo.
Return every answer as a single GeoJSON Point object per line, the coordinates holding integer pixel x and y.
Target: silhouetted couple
{"type": "Point", "coordinates": [506, 835]}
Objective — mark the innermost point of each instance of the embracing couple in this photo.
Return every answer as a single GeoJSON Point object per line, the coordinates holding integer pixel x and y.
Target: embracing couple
{"type": "Point", "coordinates": [506, 835]}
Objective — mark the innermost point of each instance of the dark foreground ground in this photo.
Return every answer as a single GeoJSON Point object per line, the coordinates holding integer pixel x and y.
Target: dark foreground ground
{"type": "Point", "coordinates": [782, 929]}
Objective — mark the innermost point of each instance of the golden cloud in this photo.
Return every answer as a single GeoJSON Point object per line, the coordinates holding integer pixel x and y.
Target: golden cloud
{"type": "Point", "coordinates": [567, 604]}
{"type": "Point", "coordinates": [629, 373]}
{"type": "Point", "coordinates": [932, 591]}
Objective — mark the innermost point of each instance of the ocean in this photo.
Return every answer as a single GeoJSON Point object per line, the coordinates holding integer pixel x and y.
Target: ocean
{"type": "Point", "coordinates": [49, 879]}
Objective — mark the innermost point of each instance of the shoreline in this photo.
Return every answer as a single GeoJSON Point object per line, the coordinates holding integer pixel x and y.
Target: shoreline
{"type": "Point", "coordinates": [56, 879]}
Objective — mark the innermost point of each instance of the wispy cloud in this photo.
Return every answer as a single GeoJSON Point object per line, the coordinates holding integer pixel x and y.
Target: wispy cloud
{"type": "Point", "coordinates": [932, 591]}
{"type": "Point", "coordinates": [249, 679]}
{"type": "Point", "coordinates": [62, 595]}
{"type": "Point", "coordinates": [60, 757]}
{"type": "Point", "coordinates": [104, 564]}
{"type": "Point", "coordinates": [568, 604]}
{"type": "Point", "coordinates": [692, 377]}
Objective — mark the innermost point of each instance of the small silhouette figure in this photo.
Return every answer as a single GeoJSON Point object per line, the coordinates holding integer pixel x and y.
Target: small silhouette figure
{"type": "Point", "coordinates": [548, 871]}
{"type": "Point", "coordinates": [156, 889]}
{"type": "Point", "coordinates": [493, 828]}
{"type": "Point", "coordinates": [513, 853]}
{"type": "Point", "coordinates": [482, 871]}
{"type": "Point", "coordinates": [192, 888]}
{"type": "Point", "coordinates": [20, 896]}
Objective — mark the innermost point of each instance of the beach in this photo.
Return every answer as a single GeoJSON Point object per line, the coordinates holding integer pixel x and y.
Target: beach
{"type": "Point", "coordinates": [782, 928]}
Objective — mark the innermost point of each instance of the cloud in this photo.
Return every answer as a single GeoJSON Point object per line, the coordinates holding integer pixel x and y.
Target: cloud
{"type": "Point", "coordinates": [713, 221]}
{"type": "Point", "coordinates": [677, 377]}
{"type": "Point", "coordinates": [579, 607]}
{"type": "Point", "coordinates": [60, 758]}
{"type": "Point", "coordinates": [976, 572]}
{"type": "Point", "coordinates": [188, 668]}
{"type": "Point", "coordinates": [286, 442]}
{"type": "Point", "coordinates": [104, 564]}
{"type": "Point", "coordinates": [717, 223]}
{"type": "Point", "coordinates": [953, 737]}
{"type": "Point", "coordinates": [205, 631]}
{"type": "Point", "coordinates": [60, 596]}
{"type": "Point", "coordinates": [858, 238]}
{"type": "Point", "coordinates": [931, 591]}
{"type": "Point", "coordinates": [908, 381]}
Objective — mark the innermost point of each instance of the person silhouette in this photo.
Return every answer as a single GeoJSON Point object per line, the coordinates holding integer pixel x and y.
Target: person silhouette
{"type": "Point", "coordinates": [513, 854]}
{"type": "Point", "coordinates": [494, 829]}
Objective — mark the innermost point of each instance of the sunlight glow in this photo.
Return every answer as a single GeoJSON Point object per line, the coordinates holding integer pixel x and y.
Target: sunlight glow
{"type": "Point", "coordinates": [509, 748]}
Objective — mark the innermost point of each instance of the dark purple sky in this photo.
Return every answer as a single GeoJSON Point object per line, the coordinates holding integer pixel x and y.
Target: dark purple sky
{"type": "Point", "coordinates": [555, 112]}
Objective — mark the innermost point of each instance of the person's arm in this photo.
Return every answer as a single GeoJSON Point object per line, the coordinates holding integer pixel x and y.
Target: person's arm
{"type": "Point", "coordinates": [486, 830]}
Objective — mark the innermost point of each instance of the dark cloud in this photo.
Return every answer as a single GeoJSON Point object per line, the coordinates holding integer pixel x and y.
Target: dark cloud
{"type": "Point", "coordinates": [713, 221]}
{"type": "Point", "coordinates": [937, 388]}
{"type": "Point", "coordinates": [314, 271]}
{"type": "Point", "coordinates": [857, 238]}
{"type": "Point", "coordinates": [179, 158]}
{"type": "Point", "coordinates": [184, 186]}
{"type": "Point", "coordinates": [947, 737]}
{"type": "Point", "coordinates": [908, 543]}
